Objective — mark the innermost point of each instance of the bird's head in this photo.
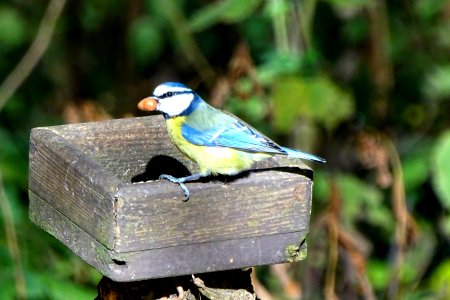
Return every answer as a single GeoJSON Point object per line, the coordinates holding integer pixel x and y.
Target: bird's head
{"type": "Point", "coordinates": [172, 99]}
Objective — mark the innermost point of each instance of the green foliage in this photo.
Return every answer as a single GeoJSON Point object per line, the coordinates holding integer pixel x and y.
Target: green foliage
{"type": "Point", "coordinates": [13, 28]}
{"type": "Point", "coordinates": [441, 168]}
{"type": "Point", "coordinates": [316, 98]}
{"type": "Point", "coordinates": [276, 9]}
{"type": "Point", "coordinates": [276, 65]}
{"type": "Point", "coordinates": [94, 14]}
{"type": "Point", "coordinates": [378, 273]}
{"type": "Point", "coordinates": [314, 78]}
{"type": "Point", "coordinates": [439, 281]}
{"type": "Point", "coordinates": [13, 163]}
{"type": "Point", "coordinates": [416, 167]}
{"type": "Point", "coordinates": [253, 109]}
{"type": "Point", "coordinates": [363, 202]}
{"type": "Point", "coordinates": [145, 41]}
{"type": "Point", "coordinates": [437, 84]}
{"type": "Point", "coordinates": [227, 11]}
{"type": "Point", "coordinates": [427, 9]}
{"type": "Point", "coordinates": [349, 4]}
{"type": "Point", "coordinates": [46, 286]}
{"type": "Point", "coordinates": [360, 201]}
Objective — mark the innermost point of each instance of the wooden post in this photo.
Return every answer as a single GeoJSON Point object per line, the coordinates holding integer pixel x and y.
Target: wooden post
{"type": "Point", "coordinates": [222, 285]}
{"type": "Point", "coordinates": [94, 187]}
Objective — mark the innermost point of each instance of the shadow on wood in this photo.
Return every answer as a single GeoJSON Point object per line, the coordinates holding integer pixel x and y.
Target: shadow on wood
{"type": "Point", "coordinates": [161, 164]}
{"type": "Point", "coordinates": [93, 187]}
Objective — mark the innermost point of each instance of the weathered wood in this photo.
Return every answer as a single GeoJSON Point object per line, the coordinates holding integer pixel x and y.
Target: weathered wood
{"type": "Point", "coordinates": [151, 219]}
{"type": "Point", "coordinates": [81, 192]}
{"type": "Point", "coordinates": [73, 183]}
{"type": "Point", "coordinates": [170, 261]}
{"type": "Point", "coordinates": [123, 146]}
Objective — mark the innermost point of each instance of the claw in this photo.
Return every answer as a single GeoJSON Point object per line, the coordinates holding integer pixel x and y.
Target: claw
{"type": "Point", "coordinates": [182, 180]}
{"type": "Point", "coordinates": [180, 183]}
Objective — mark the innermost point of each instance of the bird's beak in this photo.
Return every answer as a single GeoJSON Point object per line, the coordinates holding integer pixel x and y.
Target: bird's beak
{"type": "Point", "coordinates": [148, 104]}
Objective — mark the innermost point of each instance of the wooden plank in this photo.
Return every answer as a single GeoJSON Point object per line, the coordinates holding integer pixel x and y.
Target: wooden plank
{"type": "Point", "coordinates": [171, 261]}
{"type": "Point", "coordinates": [149, 216]}
{"type": "Point", "coordinates": [211, 256]}
{"type": "Point", "coordinates": [73, 184]}
{"type": "Point", "coordinates": [70, 234]}
{"type": "Point", "coordinates": [125, 146]}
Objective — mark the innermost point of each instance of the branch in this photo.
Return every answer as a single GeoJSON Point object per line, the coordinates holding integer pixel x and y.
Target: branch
{"type": "Point", "coordinates": [34, 53]}
{"type": "Point", "coordinates": [13, 244]}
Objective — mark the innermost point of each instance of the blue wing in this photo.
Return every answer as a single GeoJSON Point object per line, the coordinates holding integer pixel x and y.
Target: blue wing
{"type": "Point", "coordinates": [236, 135]}
{"type": "Point", "coordinates": [303, 155]}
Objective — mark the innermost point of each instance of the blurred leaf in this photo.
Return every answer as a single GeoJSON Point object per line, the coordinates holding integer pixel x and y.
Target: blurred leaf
{"type": "Point", "coordinates": [13, 164]}
{"type": "Point", "coordinates": [441, 168]}
{"type": "Point", "coordinates": [236, 11]}
{"type": "Point", "coordinates": [165, 9]}
{"type": "Point", "coordinates": [255, 32]}
{"type": "Point", "coordinates": [16, 203]}
{"type": "Point", "coordinates": [349, 4]}
{"type": "Point", "coordinates": [440, 279]}
{"type": "Point", "coordinates": [7, 285]}
{"type": "Point", "coordinates": [330, 105]}
{"type": "Point", "coordinates": [13, 27]}
{"type": "Point", "coordinates": [321, 185]}
{"type": "Point", "coordinates": [95, 13]}
{"type": "Point", "coordinates": [47, 286]}
{"type": "Point", "coordinates": [416, 166]}
{"type": "Point", "coordinates": [227, 11]}
{"type": "Point", "coordinates": [316, 98]}
{"type": "Point", "coordinates": [275, 9]}
{"type": "Point", "coordinates": [278, 64]}
{"type": "Point", "coordinates": [441, 35]}
{"type": "Point", "coordinates": [145, 41]}
{"type": "Point", "coordinates": [356, 30]}
{"type": "Point", "coordinates": [437, 83]}
{"type": "Point", "coordinates": [92, 17]}
{"type": "Point", "coordinates": [378, 273]}
{"type": "Point", "coordinates": [252, 110]}
{"type": "Point", "coordinates": [427, 9]}
{"type": "Point", "coordinates": [414, 115]}
{"type": "Point", "coordinates": [256, 109]}
{"type": "Point", "coordinates": [290, 98]}
{"type": "Point", "coordinates": [362, 201]}
{"type": "Point", "coordinates": [419, 255]}
{"type": "Point", "coordinates": [444, 225]}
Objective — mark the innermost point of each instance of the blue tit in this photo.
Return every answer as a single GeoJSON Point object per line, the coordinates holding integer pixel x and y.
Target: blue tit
{"type": "Point", "coordinates": [217, 141]}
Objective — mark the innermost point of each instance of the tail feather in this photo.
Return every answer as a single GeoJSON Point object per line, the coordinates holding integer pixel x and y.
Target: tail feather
{"type": "Point", "coordinates": [303, 155]}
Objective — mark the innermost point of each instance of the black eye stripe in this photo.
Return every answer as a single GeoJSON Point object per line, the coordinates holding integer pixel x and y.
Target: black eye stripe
{"type": "Point", "coordinates": [171, 94]}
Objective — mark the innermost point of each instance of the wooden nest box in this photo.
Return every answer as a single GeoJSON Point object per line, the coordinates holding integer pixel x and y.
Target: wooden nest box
{"type": "Point", "coordinates": [94, 187]}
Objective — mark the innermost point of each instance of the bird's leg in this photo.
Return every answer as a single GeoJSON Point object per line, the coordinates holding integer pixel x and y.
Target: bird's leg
{"type": "Point", "coordinates": [182, 180]}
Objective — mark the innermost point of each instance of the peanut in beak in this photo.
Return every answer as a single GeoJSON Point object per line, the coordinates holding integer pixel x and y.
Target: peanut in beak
{"type": "Point", "coordinates": [147, 104]}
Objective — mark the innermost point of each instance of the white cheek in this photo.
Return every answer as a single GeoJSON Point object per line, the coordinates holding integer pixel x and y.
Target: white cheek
{"type": "Point", "coordinates": [175, 105]}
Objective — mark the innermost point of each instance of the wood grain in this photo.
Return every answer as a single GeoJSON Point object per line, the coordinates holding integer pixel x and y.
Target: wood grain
{"type": "Point", "coordinates": [73, 184]}
{"type": "Point", "coordinates": [152, 215]}
{"type": "Point", "coordinates": [86, 188]}
{"type": "Point", "coordinates": [170, 261]}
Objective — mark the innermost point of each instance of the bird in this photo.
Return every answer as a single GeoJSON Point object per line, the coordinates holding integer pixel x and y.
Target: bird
{"type": "Point", "coordinates": [219, 142]}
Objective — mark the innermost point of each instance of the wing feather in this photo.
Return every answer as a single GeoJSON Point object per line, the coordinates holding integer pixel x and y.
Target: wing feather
{"type": "Point", "coordinates": [237, 135]}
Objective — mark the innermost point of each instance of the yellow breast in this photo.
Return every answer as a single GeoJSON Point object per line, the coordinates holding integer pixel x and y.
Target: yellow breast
{"type": "Point", "coordinates": [215, 160]}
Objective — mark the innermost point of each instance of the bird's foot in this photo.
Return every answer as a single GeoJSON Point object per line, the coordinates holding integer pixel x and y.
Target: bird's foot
{"type": "Point", "coordinates": [180, 182]}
